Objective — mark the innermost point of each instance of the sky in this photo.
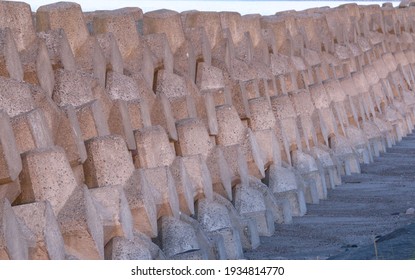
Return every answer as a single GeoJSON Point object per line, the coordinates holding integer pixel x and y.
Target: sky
{"type": "Point", "coordinates": [264, 7]}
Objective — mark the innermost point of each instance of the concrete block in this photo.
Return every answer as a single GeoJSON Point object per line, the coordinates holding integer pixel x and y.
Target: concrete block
{"type": "Point", "coordinates": [247, 228]}
{"type": "Point", "coordinates": [10, 162]}
{"type": "Point", "coordinates": [13, 245]}
{"type": "Point", "coordinates": [113, 209]}
{"type": "Point", "coordinates": [10, 190]}
{"type": "Point", "coordinates": [327, 161]}
{"type": "Point", "coordinates": [81, 226]}
{"type": "Point", "coordinates": [168, 22]}
{"type": "Point", "coordinates": [193, 138]}
{"type": "Point", "coordinates": [164, 190]}
{"type": "Point", "coordinates": [65, 15]}
{"type": "Point", "coordinates": [139, 194]}
{"type": "Point", "coordinates": [337, 96]}
{"type": "Point", "coordinates": [161, 114]}
{"type": "Point", "coordinates": [119, 123]}
{"type": "Point", "coordinates": [210, 246]}
{"type": "Point", "coordinates": [209, 20]}
{"type": "Point", "coordinates": [91, 120]}
{"type": "Point", "coordinates": [359, 141]}
{"type": "Point", "coordinates": [305, 110]}
{"type": "Point", "coordinates": [236, 161]}
{"type": "Point", "coordinates": [121, 87]}
{"type": "Point", "coordinates": [176, 237]}
{"type": "Point", "coordinates": [160, 51]}
{"type": "Point", "coordinates": [69, 137]}
{"type": "Point", "coordinates": [284, 111]}
{"type": "Point", "coordinates": [51, 111]}
{"type": "Point", "coordinates": [221, 172]}
{"type": "Point", "coordinates": [136, 248]}
{"type": "Point", "coordinates": [253, 154]}
{"type": "Point", "coordinates": [214, 217]}
{"type": "Point", "coordinates": [72, 88]}
{"type": "Point", "coordinates": [46, 241]}
{"type": "Point", "coordinates": [108, 161]}
{"type": "Point", "coordinates": [139, 113]}
{"type": "Point", "coordinates": [46, 175]}
{"type": "Point", "coordinates": [31, 131]}
{"type": "Point", "coordinates": [10, 63]}
{"type": "Point", "coordinates": [307, 167]}
{"type": "Point", "coordinates": [326, 122]}
{"type": "Point", "coordinates": [185, 61]}
{"type": "Point", "coordinates": [111, 52]}
{"type": "Point", "coordinates": [209, 77]}
{"type": "Point", "coordinates": [201, 44]}
{"type": "Point", "coordinates": [199, 173]}
{"type": "Point", "coordinates": [90, 59]}
{"type": "Point", "coordinates": [59, 49]}
{"type": "Point", "coordinates": [268, 146]}
{"type": "Point", "coordinates": [18, 17]}
{"type": "Point", "coordinates": [262, 116]}
{"type": "Point", "coordinates": [121, 248]}
{"type": "Point", "coordinates": [183, 107]}
{"type": "Point", "coordinates": [232, 243]}
{"type": "Point", "coordinates": [205, 106]}
{"type": "Point", "coordinates": [170, 84]}
{"type": "Point", "coordinates": [347, 159]}
{"type": "Point", "coordinates": [122, 25]}
{"type": "Point", "coordinates": [284, 210]}
{"type": "Point", "coordinates": [44, 71]}
{"type": "Point", "coordinates": [278, 206]}
{"type": "Point", "coordinates": [100, 93]}
{"type": "Point", "coordinates": [249, 202]}
{"type": "Point", "coordinates": [153, 148]}
{"type": "Point", "coordinates": [16, 97]}
{"type": "Point", "coordinates": [283, 183]}
{"type": "Point", "coordinates": [230, 128]}
{"type": "Point", "coordinates": [185, 186]}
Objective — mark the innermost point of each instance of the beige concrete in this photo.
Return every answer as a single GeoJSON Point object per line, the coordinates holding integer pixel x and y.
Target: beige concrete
{"type": "Point", "coordinates": [108, 161]}
{"type": "Point", "coordinates": [164, 190]}
{"type": "Point", "coordinates": [16, 97]}
{"type": "Point", "coordinates": [46, 175]}
{"type": "Point", "coordinates": [153, 148]}
{"type": "Point", "coordinates": [13, 245]}
{"type": "Point", "coordinates": [65, 15]}
{"type": "Point", "coordinates": [92, 120]}
{"type": "Point", "coordinates": [10, 63]}
{"type": "Point", "coordinates": [164, 21]}
{"type": "Point", "coordinates": [81, 226]}
{"type": "Point", "coordinates": [113, 209]}
{"type": "Point", "coordinates": [18, 17]}
{"type": "Point", "coordinates": [31, 131]}
{"type": "Point", "coordinates": [46, 241]}
{"type": "Point", "coordinates": [142, 204]}
{"type": "Point", "coordinates": [10, 162]}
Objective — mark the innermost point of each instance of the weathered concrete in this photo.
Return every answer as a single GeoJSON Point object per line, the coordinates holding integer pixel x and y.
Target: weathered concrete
{"type": "Point", "coordinates": [199, 131]}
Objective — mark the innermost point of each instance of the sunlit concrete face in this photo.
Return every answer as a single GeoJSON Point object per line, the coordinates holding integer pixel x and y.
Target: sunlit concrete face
{"type": "Point", "coordinates": [127, 133]}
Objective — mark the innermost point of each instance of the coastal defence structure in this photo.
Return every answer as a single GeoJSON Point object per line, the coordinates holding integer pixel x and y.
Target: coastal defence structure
{"type": "Point", "coordinates": [189, 135]}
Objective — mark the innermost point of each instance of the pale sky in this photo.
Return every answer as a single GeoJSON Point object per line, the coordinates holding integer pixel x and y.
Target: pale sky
{"type": "Point", "coordinates": [264, 7]}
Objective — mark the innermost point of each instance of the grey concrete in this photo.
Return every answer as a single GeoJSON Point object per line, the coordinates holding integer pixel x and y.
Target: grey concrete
{"type": "Point", "coordinates": [357, 216]}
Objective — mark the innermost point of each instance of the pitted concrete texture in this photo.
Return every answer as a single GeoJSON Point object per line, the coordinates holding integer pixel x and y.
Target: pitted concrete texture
{"type": "Point", "coordinates": [184, 136]}
{"type": "Point", "coordinates": [46, 237]}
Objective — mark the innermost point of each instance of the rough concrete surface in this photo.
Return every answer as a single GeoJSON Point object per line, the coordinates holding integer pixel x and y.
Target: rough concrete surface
{"type": "Point", "coordinates": [207, 135]}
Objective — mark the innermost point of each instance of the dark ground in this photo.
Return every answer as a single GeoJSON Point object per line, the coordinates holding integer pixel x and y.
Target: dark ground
{"type": "Point", "coordinates": [364, 218]}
